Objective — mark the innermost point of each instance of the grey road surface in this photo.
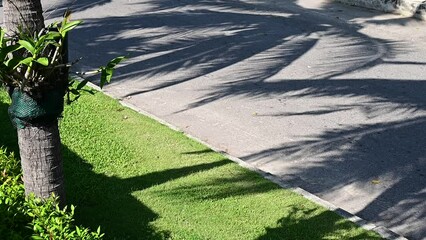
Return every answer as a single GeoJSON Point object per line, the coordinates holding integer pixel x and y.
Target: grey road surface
{"type": "Point", "coordinates": [330, 98]}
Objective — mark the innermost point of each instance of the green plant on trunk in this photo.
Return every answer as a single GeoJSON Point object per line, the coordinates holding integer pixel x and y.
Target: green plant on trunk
{"type": "Point", "coordinates": [35, 69]}
{"type": "Point", "coordinates": [40, 60]}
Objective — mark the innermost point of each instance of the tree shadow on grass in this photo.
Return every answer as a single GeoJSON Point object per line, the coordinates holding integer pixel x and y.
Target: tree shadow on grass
{"type": "Point", "coordinates": [108, 201]}
{"type": "Point", "coordinates": [319, 226]}
{"type": "Point", "coordinates": [105, 201]}
{"type": "Point", "coordinates": [100, 200]}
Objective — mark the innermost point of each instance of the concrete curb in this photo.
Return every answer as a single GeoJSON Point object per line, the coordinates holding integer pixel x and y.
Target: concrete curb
{"type": "Point", "coordinates": [382, 231]}
{"type": "Point", "coordinates": [411, 8]}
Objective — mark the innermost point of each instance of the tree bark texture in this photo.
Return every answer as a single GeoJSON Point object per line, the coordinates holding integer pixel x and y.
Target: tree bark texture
{"type": "Point", "coordinates": [27, 14]}
{"type": "Point", "coordinates": [40, 149]}
{"type": "Point", "coordinates": [39, 145]}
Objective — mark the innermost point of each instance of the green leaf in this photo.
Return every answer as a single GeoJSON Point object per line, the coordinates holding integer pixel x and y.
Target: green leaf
{"type": "Point", "coordinates": [53, 35]}
{"type": "Point", "coordinates": [68, 27]}
{"type": "Point", "coordinates": [35, 237]}
{"type": "Point", "coordinates": [27, 45]}
{"type": "Point", "coordinates": [26, 61]}
{"type": "Point", "coordinates": [13, 63]}
{"type": "Point", "coordinates": [91, 92]}
{"type": "Point", "coordinates": [2, 33]}
{"type": "Point", "coordinates": [115, 61]}
{"type": "Point", "coordinates": [9, 49]}
{"type": "Point", "coordinates": [82, 84]}
{"type": "Point", "coordinates": [43, 61]}
{"type": "Point", "coordinates": [106, 75]}
{"type": "Point", "coordinates": [40, 42]}
{"type": "Point", "coordinates": [56, 44]}
{"type": "Point", "coordinates": [75, 91]}
{"type": "Point", "coordinates": [109, 72]}
{"type": "Point", "coordinates": [103, 78]}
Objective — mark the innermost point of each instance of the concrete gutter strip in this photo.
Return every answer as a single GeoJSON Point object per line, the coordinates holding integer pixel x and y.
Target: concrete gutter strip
{"type": "Point", "coordinates": [382, 231]}
{"type": "Point", "coordinates": [412, 8]}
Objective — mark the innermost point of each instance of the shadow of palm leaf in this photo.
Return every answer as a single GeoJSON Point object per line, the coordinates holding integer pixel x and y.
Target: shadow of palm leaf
{"type": "Point", "coordinates": [108, 201]}
{"type": "Point", "coordinates": [385, 160]}
{"type": "Point", "coordinates": [300, 224]}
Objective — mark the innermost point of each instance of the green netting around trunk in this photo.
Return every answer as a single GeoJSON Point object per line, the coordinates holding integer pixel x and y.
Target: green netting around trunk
{"type": "Point", "coordinates": [26, 111]}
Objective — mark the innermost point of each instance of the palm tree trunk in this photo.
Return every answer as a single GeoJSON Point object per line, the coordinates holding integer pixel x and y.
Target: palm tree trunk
{"type": "Point", "coordinates": [40, 150]}
{"type": "Point", "coordinates": [27, 14]}
{"type": "Point", "coordinates": [39, 145]}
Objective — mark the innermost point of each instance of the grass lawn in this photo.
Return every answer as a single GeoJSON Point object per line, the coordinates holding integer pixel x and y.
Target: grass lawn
{"type": "Point", "coordinates": [139, 179]}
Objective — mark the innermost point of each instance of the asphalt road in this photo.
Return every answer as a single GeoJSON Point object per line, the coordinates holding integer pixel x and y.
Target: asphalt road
{"type": "Point", "coordinates": [328, 97]}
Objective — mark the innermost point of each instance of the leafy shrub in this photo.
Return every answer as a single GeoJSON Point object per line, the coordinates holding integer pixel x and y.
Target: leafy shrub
{"type": "Point", "coordinates": [29, 217]}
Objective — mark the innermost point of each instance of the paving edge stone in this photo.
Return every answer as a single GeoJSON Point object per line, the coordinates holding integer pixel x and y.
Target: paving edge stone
{"type": "Point", "coordinates": [382, 231]}
{"type": "Point", "coordinates": [412, 8]}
